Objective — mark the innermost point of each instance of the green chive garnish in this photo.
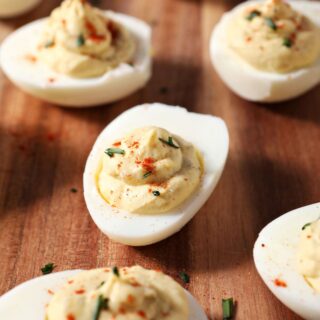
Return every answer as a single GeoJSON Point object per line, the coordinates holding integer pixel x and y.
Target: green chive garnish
{"type": "Point", "coordinates": [227, 308]}
{"type": "Point", "coordinates": [115, 271]}
{"type": "Point", "coordinates": [271, 24]}
{"type": "Point", "coordinates": [111, 151]}
{"type": "Point", "coordinates": [306, 225]}
{"type": "Point", "coordinates": [102, 304]}
{"type": "Point", "coordinates": [287, 42]}
{"type": "Point", "coordinates": [253, 14]}
{"type": "Point", "coordinates": [101, 284]}
{"type": "Point", "coordinates": [48, 268]}
{"type": "Point", "coordinates": [147, 174]}
{"type": "Point", "coordinates": [169, 142]}
{"type": "Point", "coordinates": [184, 277]}
{"type": "Point", "coordinates": [81, 40]}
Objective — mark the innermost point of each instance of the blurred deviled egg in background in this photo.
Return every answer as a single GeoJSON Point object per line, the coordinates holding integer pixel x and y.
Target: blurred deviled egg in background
{"type": "Point", "coordinates": [80, 56]}
{"type": "Point", "coordinates": [287, 257]}
{"type": "Point", "coordinates": [105, 294]}
{"type": "Point", "coordinates": [149, 174]}
{"type": "Point", "coordinates": [12, 8]}
{"type": "Point", "coordinates": [268, 51]}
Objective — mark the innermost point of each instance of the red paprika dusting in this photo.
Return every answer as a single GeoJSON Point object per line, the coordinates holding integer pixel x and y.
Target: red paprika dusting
{"type": "Point", "coordinates": [148, 164]}
{"type": "Point", "coordinates": [280, 283]}
{"type": "Point", "coordinates": [96, 37]}
{"type": "Point", "coordinates": [70, 281]}
{"type": "Point", "coordinates": [163, 185]}
{"type": "Point", "coordinates": [71, 317]}
{"type": "Point", "coordinates": [51, 80]}
{"type": "Point", "coordinates": [122, 310]}
{"type": "Point", "coordinates": [90, 27]}
{"type": "Point", "coordinates": [50, 291]}
{"type": "Point", "coordinates": [130, 298]}
{"type": "Point", "coordinates": [93, 35]}
{"type": "Point", "coordinates": [141, 313]}
{"type": "Point", "coordinates": [117, 144]}
{"type": "Point", "coordinates": [80, 291]}
{"type": "Point", "coordinates": [31, 58]}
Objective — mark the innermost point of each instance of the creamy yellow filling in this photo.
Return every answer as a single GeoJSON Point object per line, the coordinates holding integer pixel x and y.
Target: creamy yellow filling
{"type": "Point", "coordinates": [80, 41]}
{"type": "Point", "coordinates": [273, 37]}
{"type": "Point", "coordinates": [151, 176]}
{"type": "Point", "coordinates": [309, 254]}
{"type": "Point", "coordinates": [119, 294]}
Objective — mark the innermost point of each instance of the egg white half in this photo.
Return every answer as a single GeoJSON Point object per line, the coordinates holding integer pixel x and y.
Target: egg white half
{"type": "Point", "coordinates": [251, 83]}
{"type": "Point", "coordinates": [275, 257]}
{"type": "Point", "coordinates": [28, 300]}
{"type": "Point", "coordinates": [33, 77]}
{"type": "Point", "coordinates": [208, 133]}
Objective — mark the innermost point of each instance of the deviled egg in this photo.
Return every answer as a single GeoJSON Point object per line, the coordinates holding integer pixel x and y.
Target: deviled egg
{"type": "Point", "coordinates": [151, 170]}
{"type": "Point", "coordinates": [104, 294]}
{"type": "Point", "coordinates": [9, 8]}
{"type": "Point", "coordinates": [79, 56]}
{"type": "Point", "coordinates": [268, 51]}
{"type": "Point", "coordinates": [287, 257]}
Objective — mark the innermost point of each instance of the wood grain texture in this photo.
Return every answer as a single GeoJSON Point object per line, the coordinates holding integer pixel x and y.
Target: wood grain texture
{"type": "Point", "coordinates": [273, 167]}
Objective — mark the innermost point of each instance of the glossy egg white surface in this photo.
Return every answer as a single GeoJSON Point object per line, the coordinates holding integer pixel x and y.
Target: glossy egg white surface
{"type": "Point", "coordinates": [12, 8]}
{"type": "Point", "coordinates": [251, 83]}
{"type": "Point", "coordinates": [275, 257]}
{"type": "Point", "coordinates": [28, 300]}
{"type": "Point", "coordinates": [208, 133]}
{"type": "Point", "coordinates": [37, 79]}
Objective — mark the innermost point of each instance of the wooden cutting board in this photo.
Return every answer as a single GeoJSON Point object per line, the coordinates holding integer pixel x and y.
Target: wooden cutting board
{"type": "Point", "coordinates": [273, 167]}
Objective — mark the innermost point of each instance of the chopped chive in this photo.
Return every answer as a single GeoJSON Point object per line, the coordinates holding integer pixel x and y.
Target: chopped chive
{"type": "Point", "coordinates": [184, 277]}
{"type": "Point", "coordinates": [253, 14]}
{"type": "Point", "coordinates": [156, 193]}
{"type": "Point", "coordinates": [147, 174]}
{"type": "Point", "coordinates": [115, 271]}
{"type": "Point", "coordinates": [270, 23]}
{"type": "Point", "coordinates": [306, 225]}
{"type": "Point", "coordinates": [101, 284]}
{"type": "Point", "coordinates": [111, 151]}
{"type": "Point", "coordinates": [287, 42]}
{"type": "Point", "coordinates": [48, 268]}
{"type": "Point", "coordinates": [102, 304]}
{"type": "Point", "coordinates": [81, 40]}
{"type": "Point", "coordinates": [49, 44]}
{"type": "Point", "coordinates": [227, 308]}
{"type": "Point", "coordinates": [169, 142]}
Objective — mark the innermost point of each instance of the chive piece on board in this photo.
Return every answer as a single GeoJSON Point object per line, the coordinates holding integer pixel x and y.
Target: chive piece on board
{"type": "Point", "coordinates": [184, 277]}
{"type": "Point", "coordinates": [227, 308]}
{"type": "Point", "coordinates": [48, 268]}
